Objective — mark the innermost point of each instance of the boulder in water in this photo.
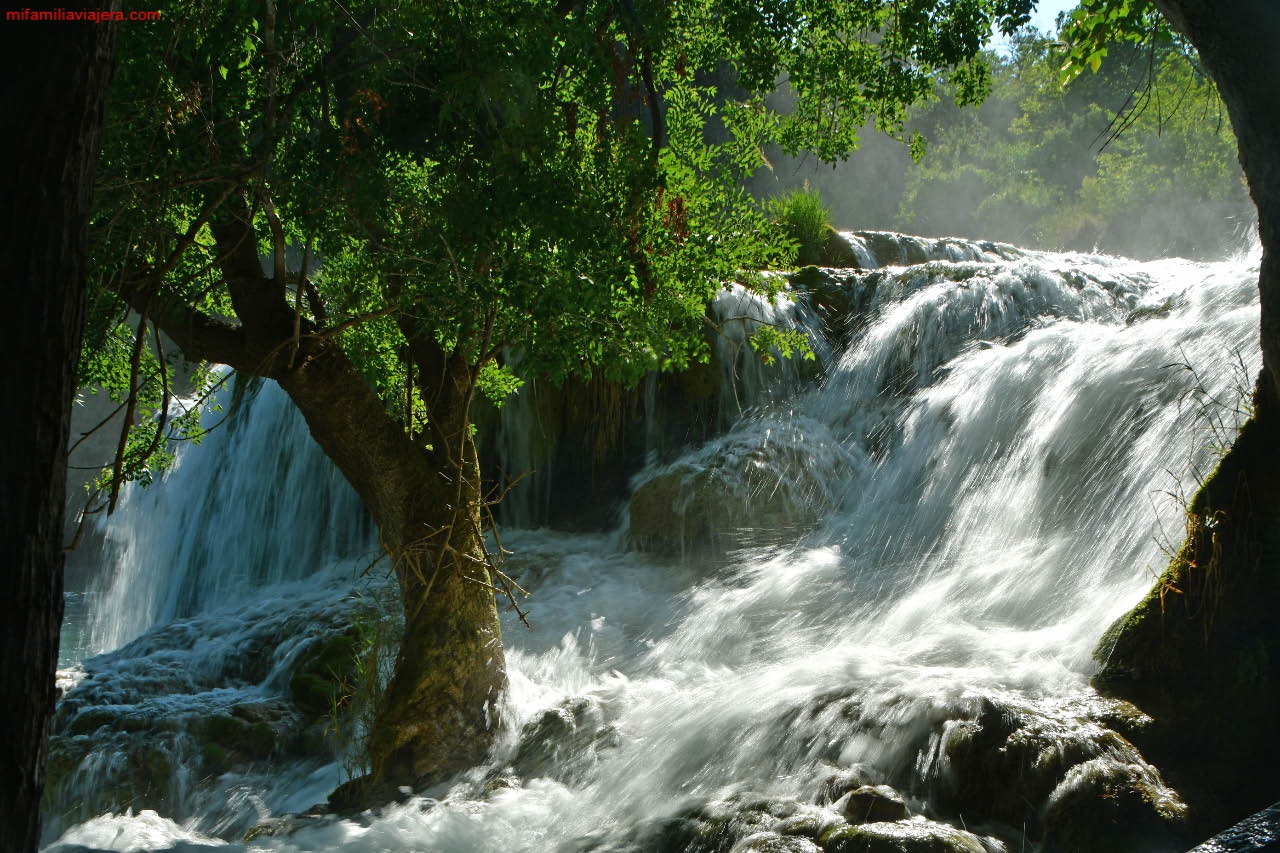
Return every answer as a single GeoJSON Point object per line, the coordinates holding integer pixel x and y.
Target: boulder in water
{"type": "Point", "coordinates": [1041, 768]}
{"type": "Point", "coordinates": [686, 508]}
{"type": "Point", "coordinates": [843, 781]}
{"type": "Point", "coordinates": [562, 742]}
{"type": "Point", "coordinates": [903, 836]}
{"type": "Point", "coordinates": [872, 804]}
{"type": "Point", "coordinates": [324, 673]}
{"type": "Point", "coordinates": [838, 251]}
{"type": "Point", "coordinates": [756, 486]}
{"type": "Point", "coordinates": [743, 822]}
{"type": "Point", "coordinates": [1105, 804]}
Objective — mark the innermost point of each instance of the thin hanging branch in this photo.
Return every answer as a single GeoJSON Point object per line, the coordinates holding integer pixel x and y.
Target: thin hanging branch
{"type": "Point", "coordinates": [297, 305]}
{"type": "Point", "coordinates": [135, 363]}
{"type": "Point", "coordinates": [164, 402]}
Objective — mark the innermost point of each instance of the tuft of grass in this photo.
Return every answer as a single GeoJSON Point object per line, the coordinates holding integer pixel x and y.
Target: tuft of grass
{"type": "Point", "coordinates": [806, 220]}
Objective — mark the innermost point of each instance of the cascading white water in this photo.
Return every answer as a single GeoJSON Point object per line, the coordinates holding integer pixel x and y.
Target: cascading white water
{"type": "Point", "coordinates": [255, 504]}
{"type": "Point", "coordinates": [1003, 433]}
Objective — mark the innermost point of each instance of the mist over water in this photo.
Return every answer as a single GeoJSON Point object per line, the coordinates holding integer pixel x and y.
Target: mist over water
{"type": "Point", "coordinates": [987, 470]}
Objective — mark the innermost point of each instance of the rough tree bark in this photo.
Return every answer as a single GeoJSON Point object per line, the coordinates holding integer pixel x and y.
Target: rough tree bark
{"type": "Point", "coordinates": [56, 77]}
{"type": "Point", "coordinates": [1201, 653]}
{"type": "Point", "coordinates": [1237, 41]}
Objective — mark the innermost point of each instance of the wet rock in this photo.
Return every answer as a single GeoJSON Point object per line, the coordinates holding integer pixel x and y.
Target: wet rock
{"type": "Point", "coordinates": [891, 249]}
{"type": "Point", "coordinates": [1021, 764]}
{"type": "Point", "coordinates": [838, 251]}
{"type": "Point", "coordinates": [721, 826]}
{"type": "Point", "coordinates": [872, 804]}
{"type": "Point", "coordinates": [810, 824]}
{"type": "Point", "coordinates": [1104, 804]}
{"type": "Point", "coordinates": [324, 673]}
{"type": "Point", "coordinates": [843, 781]}
{"type": "Point", "coordinates": [904, 836]}
{"type": "Point", "coordinates": [243, 739]}
{"type": "Point", "coordinates": [85, 778]}
{"type": "Point", "coordinates": [769, 842]}
{"type": "Point", "coordinates": [750, 488]}
{"type": "Point", "coordinates": [562, 742]}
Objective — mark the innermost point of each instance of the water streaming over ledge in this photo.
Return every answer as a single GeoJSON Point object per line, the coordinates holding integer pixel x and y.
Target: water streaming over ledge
{"type": "Point", "coordinates": [255, 504]}
{"type": "Point", "coordinates": [986, 469]}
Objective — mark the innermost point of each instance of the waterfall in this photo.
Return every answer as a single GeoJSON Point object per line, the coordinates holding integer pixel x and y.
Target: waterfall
{"type": "Point", "coordinates": [254, 504]}
{"type": "Point", "coordinates": [989, 472]}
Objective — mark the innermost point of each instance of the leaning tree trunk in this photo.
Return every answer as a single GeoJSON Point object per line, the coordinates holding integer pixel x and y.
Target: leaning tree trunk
{"type": "Point", "coordinates": [56, 76]}
{"type": "Point", "coordinates": [1201, 653]}
{"type": "Point", "coordinates": [439, 714]}
{"type": "Point", "coordinates": [440, 711]}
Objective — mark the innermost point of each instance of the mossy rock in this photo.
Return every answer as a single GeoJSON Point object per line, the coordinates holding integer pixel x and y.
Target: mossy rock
{"type": "Point", "coordinates": [841, 782]}
{"type": "Point", "coordinates": [153, 766]}
{"type": "Point", "coordinates": [809, 824]}
{"type": "Point", "coordinates": [1199, 652]}
{"type": "Point", "coordinates": [215, 759]}
{"type": "Point", "coordinates": [324, 672]}
{"type": "Point", "coordinates": [234, 735]}
{"type": "Point", "coordinates": [872, 804]}
{"type": "Point", "coordinates": [753, 499]}
{"type": "Point", "coordinates": [904, 836]}
{"type": "Point", "coordinates": [838, 252]}
{"type": "Point", "coordinates": [62, 760]}
{"type": "Point", "coordinates": [892, 249]}
{"type": "Point", "coordinates": [726, 825]}
{"type": "Point", "coordinates": [1006, 763]}
{"type": "Point", "coordinates": [830, 298]}
{"type": "Point", "coordinates": [1107, 805]}
{"type": "Point", "coordinates": [90, 720]}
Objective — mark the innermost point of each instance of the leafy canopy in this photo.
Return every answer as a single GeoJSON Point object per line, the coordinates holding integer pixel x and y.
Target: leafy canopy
{"type": "Point", "coordinates": [538, 188]}
{"type": "Point", "coordinates": [1138, 158]}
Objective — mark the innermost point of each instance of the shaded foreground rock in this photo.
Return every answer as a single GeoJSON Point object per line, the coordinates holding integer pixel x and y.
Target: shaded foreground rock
{"type": "Point", "coordinates": [158, 724]}
{"type": "Point", "coordinates": [1200, 652]}
{"type": "Point", "coordinates": [1069, 781]}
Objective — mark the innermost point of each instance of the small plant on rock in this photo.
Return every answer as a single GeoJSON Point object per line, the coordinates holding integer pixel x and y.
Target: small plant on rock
{"type": "Point", "coordinates": [806, 220]}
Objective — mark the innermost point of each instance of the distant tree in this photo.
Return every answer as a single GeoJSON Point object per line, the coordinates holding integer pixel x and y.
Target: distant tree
{"type": "Point", "coordinates": [56, 77]}
{"type": "Point", "coordinates": [452, 198]}
{"type": "Point", "coordinates": [1135, 159]}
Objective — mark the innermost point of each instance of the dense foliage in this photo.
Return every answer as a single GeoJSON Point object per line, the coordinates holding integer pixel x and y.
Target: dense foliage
{"type": "Point", "coordinates": [519, 175]}
{"type": "Point", "coordinates": [1134, 157]}
{"type": "Point", "coordinates": [1137, 158]}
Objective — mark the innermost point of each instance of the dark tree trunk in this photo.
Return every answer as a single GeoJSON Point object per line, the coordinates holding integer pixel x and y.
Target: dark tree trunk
{"type": "Point", "coordinates": [440, 712]}
{"type": "Point", "coordinates": [1201, 654]}
{"type": "Point", "coordinates": [1239, 46]}
{"type": "Point", "coordinates": [55, 77]}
